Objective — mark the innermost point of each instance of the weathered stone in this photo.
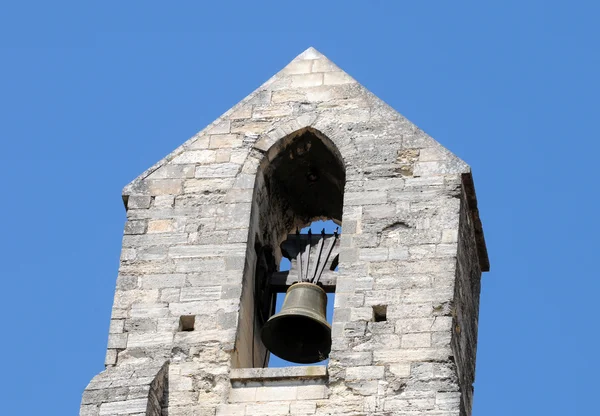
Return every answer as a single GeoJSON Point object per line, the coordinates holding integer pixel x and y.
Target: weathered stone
{"type": "Point", "coordinates": [206, 224]}
{"type": "Point", "coordinates": [218, 170]}
{"type": "Point", "coordinates": [136, 226]}
{"type": "Point", "coordinates": [138, 202]}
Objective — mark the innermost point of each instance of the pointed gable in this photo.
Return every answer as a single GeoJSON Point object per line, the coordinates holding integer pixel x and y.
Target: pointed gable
{"type": "Point", "coordinates": [375, 141]}
{"type": "Point", "coordinates": [308, 87]}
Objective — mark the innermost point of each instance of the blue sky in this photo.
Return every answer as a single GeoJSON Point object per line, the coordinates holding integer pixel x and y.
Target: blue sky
{"type": "Point", "coordinates": [93, 93]}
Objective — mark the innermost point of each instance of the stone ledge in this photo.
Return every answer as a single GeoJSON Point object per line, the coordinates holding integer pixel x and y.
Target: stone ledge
{"type": "Point", "coordinates": [264, 374]}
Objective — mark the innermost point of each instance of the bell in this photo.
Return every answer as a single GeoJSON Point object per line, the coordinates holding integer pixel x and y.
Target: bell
{"type": "Point", "coordinates": [300, 332]}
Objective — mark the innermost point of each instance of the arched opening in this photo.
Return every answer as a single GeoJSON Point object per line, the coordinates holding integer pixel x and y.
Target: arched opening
{"type": "Point", "coordinates": [328, 227]}
{"type": "Point", "coordinates": [302, 183]}
{"type": "Point", "coordinates": [299, 181]}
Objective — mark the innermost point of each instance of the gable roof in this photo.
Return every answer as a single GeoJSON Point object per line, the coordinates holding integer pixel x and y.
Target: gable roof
{"type": "Point", "coordinates": [275, 110]}
{"type": "Point", "coordinates": [309, 69]}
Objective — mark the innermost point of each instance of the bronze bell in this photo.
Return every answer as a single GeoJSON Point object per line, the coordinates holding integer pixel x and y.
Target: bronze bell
{"type": "Point", "coordinates": [300, 332]}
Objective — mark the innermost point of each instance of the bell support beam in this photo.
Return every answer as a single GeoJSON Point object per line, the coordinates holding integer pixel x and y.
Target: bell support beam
{"type": "Point", "coordinates": [281, 281]}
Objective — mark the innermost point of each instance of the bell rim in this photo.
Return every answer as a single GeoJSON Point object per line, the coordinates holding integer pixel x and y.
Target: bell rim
{"type": "Point", "coordinates": [268, 333]}
{"type": "Point", "coordinates": [273, 347]}
{"type": "Point", "coordinates": [294, 311]}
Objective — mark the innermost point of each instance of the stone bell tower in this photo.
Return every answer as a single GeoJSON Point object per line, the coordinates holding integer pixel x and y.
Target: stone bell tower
{"type": "Point", "coordinates": [208, 225]}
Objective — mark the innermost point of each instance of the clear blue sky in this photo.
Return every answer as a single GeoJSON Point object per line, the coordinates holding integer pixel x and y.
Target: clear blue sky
{"type": "Point", "coordinates": [93, 93]}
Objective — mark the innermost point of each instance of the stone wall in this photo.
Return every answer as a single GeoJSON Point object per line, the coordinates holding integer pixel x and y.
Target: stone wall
{"type": "Point", "coordinates": [466, 298]}
{"type": "Point", "coordinates": [190, 250]}
{"type": "Point", "coordinates": [132, 390]}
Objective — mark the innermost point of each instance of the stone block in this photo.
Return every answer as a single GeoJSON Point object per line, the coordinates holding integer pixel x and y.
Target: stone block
{"type": "Point", "coordinates": [239, 195]}
{"type": "Point", "coordinates": [337, 78]}
{"type": "Point", "coordinates": [152, 253]}
{"type": "Point", "coordinates": [89, 410]}
{"type": "Point", "coordinates": [200, 141]}
{"type": "Point", "coordinates": [239, 113]}
{"type": "Point", "coordinates": [446, 250]}
{"type": "Point", "coordinates": [116, 326]}
{"type": "Point", "coordinates": [138, 202]}
{"type": "Point", "coordinates": [378, 211]}
{"type": "Point", "coordinates": [231, 409]}
{"type": "Point", "coordinates": [245, 375]}
{"type": "Point", "coordinates": [128, 254]}
{"type": "Point", "coordinates": [111, 357]}
{"type": "Point", "coordinates": [127, 282]}
{"type": "Point", "coordinates": [416, 340]}
{"type": "Point", "coordinates": [400, 370]}
{"type": "Point", "coordinates": [224, 155]}
{"type": "Point", "coordinates": [441, 339]}
{"type": "Point", "coordinates": [145, 340]}
{"type": "Point", "coordinates": [447, 400]}
{"type": "Point", "coordinates": [117, 341]}
{"type": "Point", "coordinates": [268, 409]}
{"type": "Point", "coordinates": [303, 408]}
{"type": "Point", "coordinates": [306, 80]}
{"type": "Point", "coordinates": [219, 127]}
{"type": "Point", "coordinates": [311, 392]}
{"type": "Point", "coordinates": [365, 198]}
{"type": "Point", "coordinates": [136, 226]}
{"type": "Point", "coordinates": [432, 324]}
{"type": "Point", "coordinates": [182, 398]}
{"type": "Point", "coordinates": [160, 226]}
{"type": "Point", "coordinates": [361, 314]}
{"type": "Point", "coordinates": [351, 358]}
{"type": "Point", "coordinates": [244, 181]}
{"type": "Point", "coordinates": [198, 265]}
{"type": "Point", "coordinates": [439, 294]}
{"type": "Point", "coordinates": [206, 293]}
{"type": "Point", "coordinates": [355, 329]}
{"type": "Point", "coordinates": [323, 65]}
{"type": "Point", "coordinates": [449, 236]}
{"type": "Point", "coordinates": [208, 250]}
{"type": "Point", "coordinates": [398, 253]}
{"type": "Point", "coordinates": [165, 186]}
{"type": "Point", "coordinates": [373, 254]}
{"type": "Point", "coordinates": [180, 383]}
{"type": "Point", "coordinates": [125, 407]}
{"type": "Point", "coordinates": [383, 356]}
{"type": "Point", "coordinates": [272, 111]}
{"type": "Point", "coordinates": [200, 186]}
{"type": "Point", "coordinates": [298, 67]}
{"type": "Point", "coordinates": [276, 392]}
{"type": "Point", "coordinates": [409, 405]}
{"type": "Point", "coordinates": [159, 281]}
{"type": "Point", "coordinates": [250, 127]}
{"type": "Point", "coordinates": [363, 387]}
{"type": "Point", "coordinates": [365, 372]}
{"type": "Point", "coordinates": [225, 141]}
{"type": "Point", "coordinates": [136, 324]}
{"type": "Point", "coordinates": [217, 170]}
{"type": "Point", "coordinates": [175, 171]}
{"type": "Point", "coordinates": [148, 311]}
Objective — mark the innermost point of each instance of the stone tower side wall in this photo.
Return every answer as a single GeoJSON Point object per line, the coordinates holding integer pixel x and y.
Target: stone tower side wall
{"type": "Point", "coordinates": [466, 305]}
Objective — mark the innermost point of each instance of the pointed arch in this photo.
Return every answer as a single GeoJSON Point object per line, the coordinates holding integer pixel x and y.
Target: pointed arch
{"type": "Point", "coordinates": [300, 178]}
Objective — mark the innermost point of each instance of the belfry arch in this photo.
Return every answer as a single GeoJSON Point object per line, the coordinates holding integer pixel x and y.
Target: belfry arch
{"type": "Point", "coordinates": [300, 179]}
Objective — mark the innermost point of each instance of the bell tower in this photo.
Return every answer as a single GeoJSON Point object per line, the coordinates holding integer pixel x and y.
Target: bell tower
{"type": "Point", "coordinates": [193, 322]}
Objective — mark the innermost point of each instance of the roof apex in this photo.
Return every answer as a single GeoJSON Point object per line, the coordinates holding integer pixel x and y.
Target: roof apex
{"type": "Point", "coordinates": [310, 53]}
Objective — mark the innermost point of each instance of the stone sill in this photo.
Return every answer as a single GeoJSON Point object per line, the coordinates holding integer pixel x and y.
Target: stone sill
{"type": "Point", "coordinates": [314, 372]}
